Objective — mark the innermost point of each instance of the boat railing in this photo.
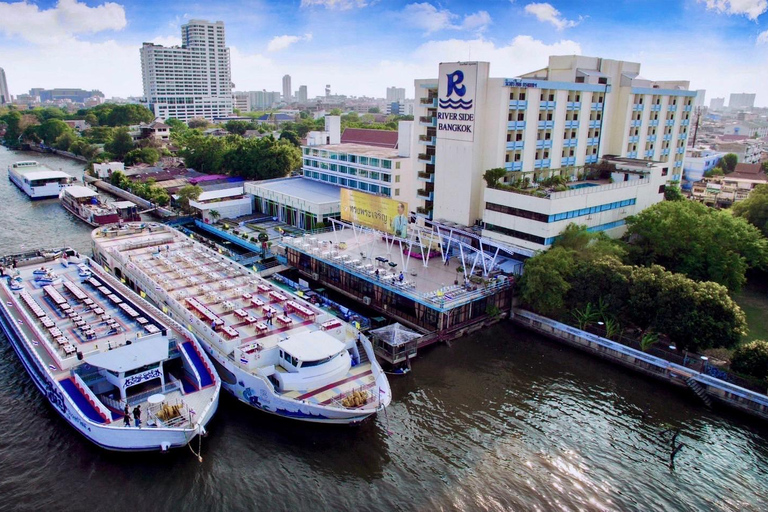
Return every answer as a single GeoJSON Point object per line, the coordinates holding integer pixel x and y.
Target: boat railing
{"type": "Point", "coordinates": [169, 387]}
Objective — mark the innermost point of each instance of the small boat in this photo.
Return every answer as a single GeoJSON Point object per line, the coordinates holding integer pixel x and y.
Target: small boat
{"type": "Point", "coordinates": [95, 350]}
{"type": "Point", "coordinates": [38, 181]}
{"type": "Point", "coordinates": [86, 205]}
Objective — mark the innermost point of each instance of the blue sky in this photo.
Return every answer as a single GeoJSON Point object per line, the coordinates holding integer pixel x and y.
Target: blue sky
{"type": "Point", "coordinates": [362, 46]}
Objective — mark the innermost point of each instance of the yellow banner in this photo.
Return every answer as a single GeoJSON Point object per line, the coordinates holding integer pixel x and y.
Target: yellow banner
{"type": "Point", "coordinates": [376, 212]}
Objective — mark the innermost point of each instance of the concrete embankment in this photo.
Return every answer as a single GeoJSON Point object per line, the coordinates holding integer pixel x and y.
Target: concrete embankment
{"type": "Point", "coordinates": [143, 203]}
{"type": "Point", "coordinates": [706, 387]}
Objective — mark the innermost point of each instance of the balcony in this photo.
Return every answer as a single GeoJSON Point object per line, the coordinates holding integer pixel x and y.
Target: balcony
{"type": "Point", "coordinates": [594, 123]}
{"type": "Point", "coordinates": [665, 152]}
{"type": "Point", "coordinates": [424, 212]}
{"type": "Point", "coordinates": [547, 105]}
{"type": "Point", "coordinates": [635, 123]}
{"type": "Point", "coordinates": [687, 108]}
{"type": "Point", "coordinates": [653, 122]}
{"type": "Point", "coordinates": [667, 136]}
{"type": "Point", "coordinates": [682, 136]}
{"type": "Point", "coordinates": [637, 107]}
{"type": "Point", "coordinates": [685, 122]}
{"type": "Point", "coordinates": [432, 102]}
{"type": "Point", "coordinates": [598, 106]}
{"type": "Point", "coordinates": [546, 125]}
{"type": "Point", "coordinates": [424, 194]}
{"type": "Point", "coordinates": [573, 105]}
{"type": "Point", "coordinates": [544, 163]}
{"type": "Point", "coordinates": [675, 177]}
{"type": "Point", "coordinates": [570, 143]}
{"type": "Point", "coordinates": [569, 160]}
{"type": "Point", "coordinates": [427, 159]}
{"type": "Point", "coordinates": [678, 163]}
{"type": "Point", "coordinates": [650, 138]}
{"type": "Point", "coordinates": [516, 125]}
{"type": "Point", "coordinates": [515, 145]}
{"type": "Point", "coordinates": [572, 125]}
{"type": "Point", "coordinates": [518, 104]}
{"type": "Point", "coordinates": [590, 159]}
{"type": "Point", "coordinates": [427, 140]}
{"type": "Point", "coordinates": [649, 153]}
{"type": "Point", "coordinates": [680, 151]}
{"type": "Point", "coordinates": [655, 108]}
{"type": "Point", "coordinates": [634, 139]}
{"type": "Point", "coordinates": [669, 122]}
{"type": "Point", "coordinates": [631, 154]}
{"type": "Point", "coordinates": [427, 177]}
{"type": "Point", "coordinates": [672, 108]}
{"type": "Point", "coordinates": [593, 141]}
{"type": "Point", "coordinates": [514, 166]}
{"type": "Point", "coordinates": [543, 144]}
{"type": "Point", "coordinates": [427, 121]}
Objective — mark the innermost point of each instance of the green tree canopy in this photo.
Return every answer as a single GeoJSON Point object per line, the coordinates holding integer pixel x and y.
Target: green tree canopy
{"type": "Point", "coordinates": [120, 144]}
{"type": "Point", "coordinates": [704, 244]}
{"type": "Point", "coordinates": [13, 128]}
{"type": "Point", "coordinates": [142, 155]}
{"type": "Point", "coordinates": [198, 122]}
{"type": "Point", "coordinates": [755, 208]}
{"type": "Point", "coordinates": [751, 359]}
{"type": "Point", "coordinates": [728, 162]}
{"type": "Point", "coordinates": [238, 127]}
{"type": "Point", "coordinates": [99, 134]}
{"type": "Point", "coordinates": [110, 114]}
{"type": "Point", "coordinates": [187, 194]}
{"type": "Point", "coordinates": [492, 176]}
{"type": "Point", "coordinates": [544, 284]}
{"type": "Point", "coordinates": [65, 140]}
{"type": "Point", "coordinates": [51, 129]}
{"type": "Point", "coordinates": [672, 192]}
{"type": "Point", "coordinates": [291, 137]}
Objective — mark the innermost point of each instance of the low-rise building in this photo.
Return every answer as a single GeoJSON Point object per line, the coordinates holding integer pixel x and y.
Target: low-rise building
{"type": "Point", "coordinates": [697, 162]}
{"type": "Point", "coordinates": [300, 202]}
{"type": "Point", "coordinates": [105, 170]}
{"type": "Point", "coordinates": [229, 200]}
{"type": "Point", "coordinates": [731, 188]}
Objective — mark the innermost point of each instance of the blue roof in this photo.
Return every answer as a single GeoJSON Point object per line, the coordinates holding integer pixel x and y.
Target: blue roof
{"type": "Point", "coordinates": [278, 117]}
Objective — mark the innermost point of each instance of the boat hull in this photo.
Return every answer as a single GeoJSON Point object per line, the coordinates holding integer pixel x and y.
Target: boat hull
{"type": "Point", "coordinates": [50, 191]}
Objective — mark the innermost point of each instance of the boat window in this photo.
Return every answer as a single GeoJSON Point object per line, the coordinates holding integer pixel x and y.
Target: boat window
{"type": "Point", "coordinates": [308, 364]}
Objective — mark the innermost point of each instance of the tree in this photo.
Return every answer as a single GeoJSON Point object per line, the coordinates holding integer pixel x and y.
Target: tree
{"type": "Point", "coordinates": [704, 244]}
{"type": "Point", "coordinates": [291, 137]}
{"type": "Point", "coordinates": [374, 110]}
{"type": "Point", "coordinates": [492, 176]}
{"type": "Point", "coordinates": [120, 144]}
{"type": "Point", "coordinates": [91, 119]}
{"type": "Point", "coordinates": [198, 122]}
{"type": "Point", "coordinates": [672, 192]}
{"type": "Point", "coordinates": [99, 134]}
{"type": "Point", "coordinates": [176, 124]}
{"type": "Point", "coordinates": [186, 194]}
{"type": "Point", "coordinates": [51, 129]}
{"type": "Point", "coordinates": [118, 179]}
{"type": "Point", "coordinates": [335, 112]}
{"type": "Point", "coordinates": [728, 162]}
{"type": "Point", "coordinates": [544, 283]}
{"type": "Point", "coordinates": [751, 359]}
{"type": "Point", "coordinates": [755, 208]}
{"type": "Point", "coordinates": [237, 127]}
{"type": "Point", "coordinates": [65, 140]}
{"type": "Point", "coordinates": [13, 128]}
{"type": "Point", "coordinates": [215, 215]}
{"type": "Point", "coordinates": [142, 155]}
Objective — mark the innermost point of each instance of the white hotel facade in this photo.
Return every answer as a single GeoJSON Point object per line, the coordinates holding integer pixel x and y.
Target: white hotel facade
{"type": "Point", "coordinates": [555, 121]}
{"type": "Point", "coordinates": [193, 80]}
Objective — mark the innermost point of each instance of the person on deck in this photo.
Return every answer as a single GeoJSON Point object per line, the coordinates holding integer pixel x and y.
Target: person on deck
{"type": "Point", "coordinates": [137, 415]}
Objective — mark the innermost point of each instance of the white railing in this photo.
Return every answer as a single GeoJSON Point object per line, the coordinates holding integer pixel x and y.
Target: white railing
{"type": "Point", "coordinates": [599, 188]}
{"type": "Point", "coordinates": [89, 394]}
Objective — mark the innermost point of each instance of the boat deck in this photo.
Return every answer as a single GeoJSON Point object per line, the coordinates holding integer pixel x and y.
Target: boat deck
{"type": "Point", "coordinates": [235, 300]}
{"type": "Point", "coordinates": [71, 314]}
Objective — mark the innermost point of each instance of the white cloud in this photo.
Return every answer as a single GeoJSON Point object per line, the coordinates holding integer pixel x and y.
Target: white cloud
{"type": "Point", "coordinates": [341, 5]}
{"type": "Point", "coordinates": [66, 20]}
{"type": "Point", "coordinates": [278, 43]}
{"type": "Point", "coordinates": [749, 8]}
{"type": "Point", "coordinates": [167, 40]}
{"type": "Point", "coordinates": [547, 13]}
{"type": "Point", "coordinates": [425, 16]}
{"type": "Point", "coordinates": [762, 38]}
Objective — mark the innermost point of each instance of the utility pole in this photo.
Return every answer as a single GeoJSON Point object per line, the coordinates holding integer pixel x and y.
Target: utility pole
{"type": "Point", "coordinates": [696, 126]}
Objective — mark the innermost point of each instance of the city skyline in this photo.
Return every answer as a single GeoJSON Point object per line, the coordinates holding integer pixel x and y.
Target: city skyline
{"type": "Point", "coordinates": [719, 45]}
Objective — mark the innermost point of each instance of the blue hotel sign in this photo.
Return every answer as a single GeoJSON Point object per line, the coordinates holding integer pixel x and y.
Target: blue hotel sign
{"type": "Point", "coordinates": [516, 82]}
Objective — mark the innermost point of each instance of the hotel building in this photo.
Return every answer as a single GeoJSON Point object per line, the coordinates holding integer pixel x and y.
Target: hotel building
{"type": "Point", "coordinates": [616, 137]}
{"type": "Point", "coordinates": [194, 80]}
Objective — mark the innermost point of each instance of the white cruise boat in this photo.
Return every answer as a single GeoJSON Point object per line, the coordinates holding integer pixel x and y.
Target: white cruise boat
{"type": "Point", "coordinates": [38, 181]}
{"type": "Point", "coordinates": [93, 347]}
{"type": "Point", "coordinates": [303, 364]}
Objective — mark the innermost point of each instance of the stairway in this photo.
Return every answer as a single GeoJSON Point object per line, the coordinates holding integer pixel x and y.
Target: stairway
{"type": "Point", "coordinates": [699, 390]}
{"type": "Point", "coordinates": [363, 354]}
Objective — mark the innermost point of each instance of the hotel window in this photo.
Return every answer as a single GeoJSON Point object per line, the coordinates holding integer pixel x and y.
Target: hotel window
{"type": "Point", "coordinates": [397, 165]}
{"type": "Point", "coordinates": [386, 164]}
{"type": "Point", "coordinates": [521, 116]}
{"type": "Point", "coordinates": [351, 158]}
{"type": "Point", "coordinates": [397, 178]}
{"type": "Point", "coordinates": [386, 178]}
{"type": "Point", "coordinates": [397, 191]}
{"type": "Point", "coordinates": [374, 162]}
{"type": "Point", "coordinates": [363, 160]}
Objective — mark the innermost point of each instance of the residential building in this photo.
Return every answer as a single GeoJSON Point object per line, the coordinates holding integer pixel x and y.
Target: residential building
{"type": "Point", "coordinates": [401, 108]}
{"type": "Point", "coordinates": [701, 96]}
{"type": "Point", "coordinates": [558, 121]}
{"type": "Point", "coordinates": [731, 188]}
{"type": "Point", "coordinates": [287, 88]}
{"type": "Point", "coordinates": [193, 80]}
{"type": "Point", "coordinates": [747, 128]}
{"type": "Point", "coordinates": [301, 95]}
{"type": "Point", "coordinates": [374, 161]}
{"type": "Point", "coordinates": [741, 100]}
{"type": "Point", "coordinates": [104, 170]}
{"type": "Point", "coordinates": [697, 162]}
{"type": "Point", "coordinates": [62, 94]}
{"type": "Point", "coordinates": [747, 151]}
{"type": "Point", "coordinates": [395, 94]}
{"type": "Point", "coordinates": [263, 100]}
{"type": "Point", "coordinates": [717, 103]}
{"type": "Point", "coordinates": [5, 96]}
{"type": "Point", "coordinates": [241, 101]}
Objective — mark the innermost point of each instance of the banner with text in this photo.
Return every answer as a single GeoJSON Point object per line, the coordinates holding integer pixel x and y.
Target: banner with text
{"type": "Point", "coordinates": [376, 212]}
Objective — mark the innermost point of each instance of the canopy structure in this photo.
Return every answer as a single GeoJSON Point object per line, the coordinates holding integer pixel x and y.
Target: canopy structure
{"type": "Point", "coordinates": [395, 334]}
{"type": "Point", "coordinates": [129, 357]}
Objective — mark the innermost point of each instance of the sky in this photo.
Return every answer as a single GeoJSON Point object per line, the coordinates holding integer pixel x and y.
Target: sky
{"type": "Point", "coordinates": [360, 47]}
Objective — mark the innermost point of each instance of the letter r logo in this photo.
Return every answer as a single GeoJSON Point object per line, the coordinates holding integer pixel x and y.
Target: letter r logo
{"type": "Point", "coordinates": [454, 81]}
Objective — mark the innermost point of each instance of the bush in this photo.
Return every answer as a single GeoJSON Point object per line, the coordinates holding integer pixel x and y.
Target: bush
{"type": "Point", "coordinates": [751, 359]}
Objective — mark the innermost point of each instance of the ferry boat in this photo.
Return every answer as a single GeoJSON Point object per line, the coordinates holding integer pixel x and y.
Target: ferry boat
{"type": "Point", "coordinates": [94, 348]}
{"type": "Point", "coordinates": [272, 349]}
{"type": "Point", "coordinates": [85, 204]}
{"type": "Point", "coordinates": [38, 181]}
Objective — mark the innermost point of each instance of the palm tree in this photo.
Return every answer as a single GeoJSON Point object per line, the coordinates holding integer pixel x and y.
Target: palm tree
{"type": "Point", "coordinates": [214, 215]}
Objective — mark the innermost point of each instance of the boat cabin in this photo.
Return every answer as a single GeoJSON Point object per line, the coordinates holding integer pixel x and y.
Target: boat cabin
{"type": "Point", "coordinates": [310, 360]}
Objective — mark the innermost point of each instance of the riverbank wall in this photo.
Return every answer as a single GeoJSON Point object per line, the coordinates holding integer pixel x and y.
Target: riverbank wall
{"type": "Point", "coordinates": [706, 387]}
{"type": "Point", "coordinates": [65, 154]}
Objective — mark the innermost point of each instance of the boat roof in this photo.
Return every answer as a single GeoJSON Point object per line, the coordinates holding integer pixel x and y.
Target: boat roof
{"type": "Point", "coordinates": [129, 357]}
{"type": "Point", "coordinates": [44, 175]}
{"type": "Point", "coordinates": [123, 204]}
{"type": "Point", "coordinates": [311, 346]}
{"type": "Point", "coordinates": [79, 191]}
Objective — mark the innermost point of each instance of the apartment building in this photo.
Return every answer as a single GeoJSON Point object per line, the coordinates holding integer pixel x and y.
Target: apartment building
{"type": "Point", "coordinates": [559, 121]}
{"type": "Point", "coordinates": [193, 80]}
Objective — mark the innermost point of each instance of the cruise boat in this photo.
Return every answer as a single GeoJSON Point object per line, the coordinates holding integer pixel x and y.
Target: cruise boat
{"type": "Point", "coordinates": [85, 204]}
{"type": "Point", "coordinates": [273, 350]}
{"type": "Point", "coordinates": [93, 347]}
{"type": "Point", "coordinates": [38, 181]}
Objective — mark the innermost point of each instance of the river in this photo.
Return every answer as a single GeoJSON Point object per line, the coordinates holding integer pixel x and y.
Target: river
{"type": "Point", "coordinates": [499, 420]}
